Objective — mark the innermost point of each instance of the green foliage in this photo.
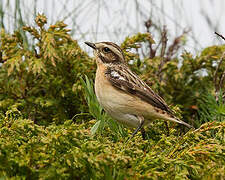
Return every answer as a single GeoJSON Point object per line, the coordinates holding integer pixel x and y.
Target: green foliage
{"type": "Point", "coordinates": [94, 108]}
{"type": "Point", "coordinates": [212, 109]}
{"type": "Point", "coordinates": [43, 82]}
{"type": "Point", "coordinates": [68, 151]}
{"type": "Point", "coordinates": [52, 127]}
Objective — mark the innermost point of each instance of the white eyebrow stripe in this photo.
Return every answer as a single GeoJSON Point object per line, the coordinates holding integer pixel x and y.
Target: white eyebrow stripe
{"type": "Point", "coordinates": [115, 50]}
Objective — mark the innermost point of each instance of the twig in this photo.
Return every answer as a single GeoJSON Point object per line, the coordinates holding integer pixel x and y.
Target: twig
{"type": "Point", "coordinates": [164, 40]}
{"type": "Point", "coordinates": [218, 86]}
{"type": "Point", "coordinates": [222, 79]}
{"type": "Point", "coordinates": [220, 35]}
{"type": "Point", "coordinates": [148, 25]}
{"type": "Point", "coordinates": [174, 47]}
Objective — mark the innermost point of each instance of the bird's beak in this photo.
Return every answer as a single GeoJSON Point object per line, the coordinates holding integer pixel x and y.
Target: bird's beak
{"type": "Point", "coordinates": [92, 45]}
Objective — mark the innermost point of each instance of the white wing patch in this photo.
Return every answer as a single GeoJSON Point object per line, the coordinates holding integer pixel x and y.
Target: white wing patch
{"type": "Point", "coordinates": [117, 75]}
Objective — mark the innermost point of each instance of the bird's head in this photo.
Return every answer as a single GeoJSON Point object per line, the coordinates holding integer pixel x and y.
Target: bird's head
{"type": "Point", "coordinates": [107, 53]}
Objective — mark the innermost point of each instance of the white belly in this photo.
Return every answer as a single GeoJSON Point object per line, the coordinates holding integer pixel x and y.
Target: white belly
{"type": "Point", "coordinates": [115, 102]}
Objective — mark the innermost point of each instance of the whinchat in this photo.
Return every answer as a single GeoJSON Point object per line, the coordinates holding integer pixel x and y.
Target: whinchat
{"type": "Point", "coordinates": [122, 94]}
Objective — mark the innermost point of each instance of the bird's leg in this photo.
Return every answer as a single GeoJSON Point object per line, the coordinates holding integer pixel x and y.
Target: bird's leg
{"type": "Point", "coordinates": [143, 133]}
{"type": "Point", "coordinates": [139, 127]}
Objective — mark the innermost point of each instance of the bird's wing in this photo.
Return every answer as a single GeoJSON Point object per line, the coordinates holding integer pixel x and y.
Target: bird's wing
{"type": "Point", "coordinates": [122, 78]}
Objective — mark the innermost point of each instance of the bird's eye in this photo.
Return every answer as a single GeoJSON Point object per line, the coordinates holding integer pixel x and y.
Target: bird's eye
{"type": "Point", "coordinates": [106, 50]}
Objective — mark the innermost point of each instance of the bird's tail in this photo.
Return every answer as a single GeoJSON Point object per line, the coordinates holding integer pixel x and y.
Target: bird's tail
{"type": "Point", "coordinates": [180, 122]}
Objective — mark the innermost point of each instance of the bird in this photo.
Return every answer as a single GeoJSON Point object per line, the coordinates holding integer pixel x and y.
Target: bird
{"type": "Point", "coordinates": [122, 93]}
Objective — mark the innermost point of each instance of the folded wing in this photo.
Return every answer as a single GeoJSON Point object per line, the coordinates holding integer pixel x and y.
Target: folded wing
{"type": "Point", "coordinates": [125, 80]}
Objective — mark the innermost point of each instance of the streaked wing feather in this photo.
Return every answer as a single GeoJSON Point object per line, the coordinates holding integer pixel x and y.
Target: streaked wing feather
{"type": "Point", "coordinates": [123, 79]}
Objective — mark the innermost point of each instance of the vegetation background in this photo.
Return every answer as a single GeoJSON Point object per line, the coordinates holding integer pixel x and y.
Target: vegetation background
{"type": "Point", "coordinates": [51, 125]}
